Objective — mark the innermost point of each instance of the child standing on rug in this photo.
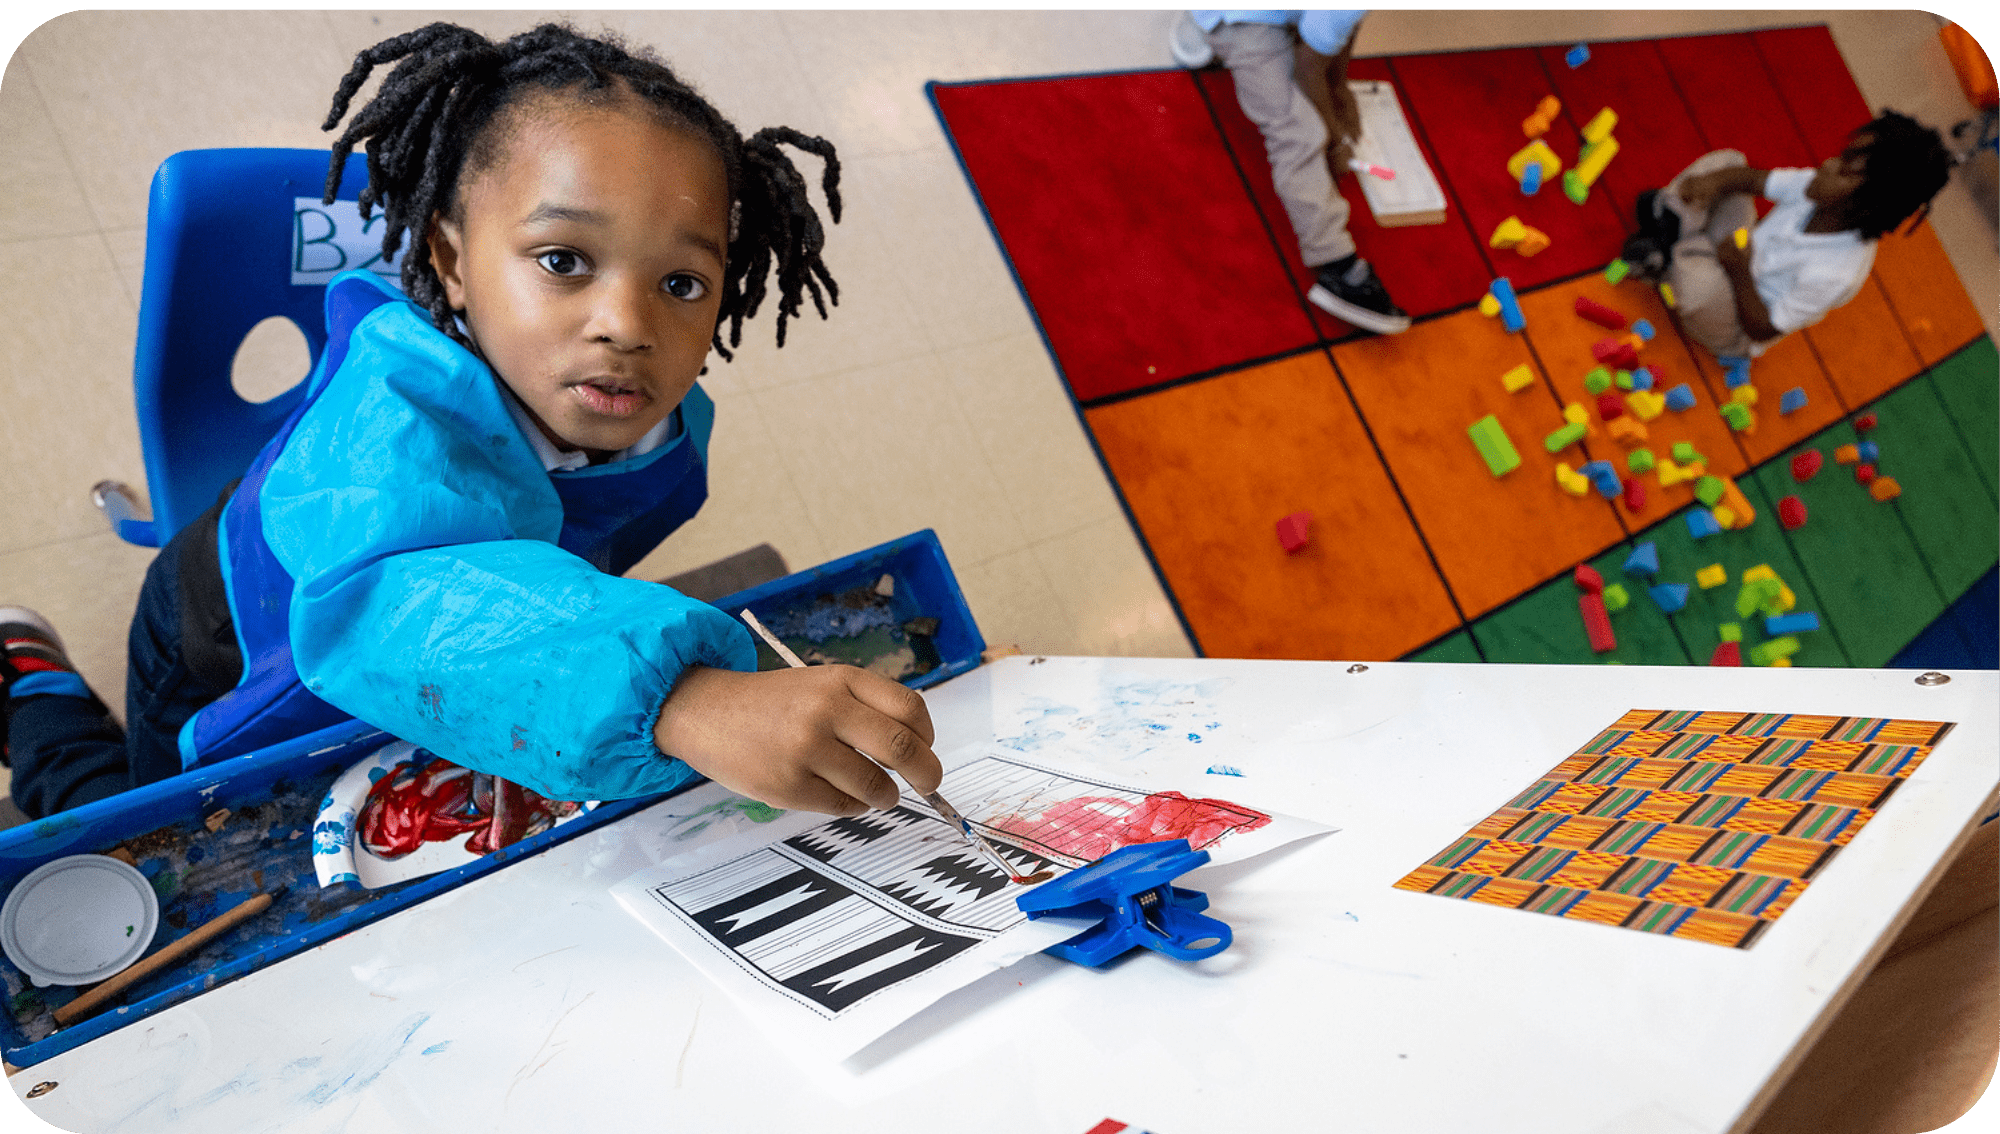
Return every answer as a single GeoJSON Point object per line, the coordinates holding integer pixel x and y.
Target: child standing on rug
{"type": "Point", "coordinates": [1260, 49]}
{"type": "Point", "coordinates": [1810, 254]}
{"type": "Point", "coordinates": [433, 540]}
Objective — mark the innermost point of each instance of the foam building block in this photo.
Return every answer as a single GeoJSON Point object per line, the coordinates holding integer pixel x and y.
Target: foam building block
{"type": "Point", "coordinates": [1639, 460]}
{"type": "Point", "coordinates": [1507, 233]}
{"type": "Point", "coordinates": [1563, 438]}
{"type": "Point", "coordinates": [1616, 597]}
{"type": "Point", "coordinates": [1610, 406]}
{"type": "Point", "coordinates": [1575, 414]}
{"type": "Point", "coordinates": [1538, 123]}
{"type": "Point", "coordinates": [1671, 474]}
{"type": "Point", "coordinates": [1295, 531]}
{"type": "Point", "coordinates": [1727, 653]}
{"type": "Point", "coordinates": [1864, 473]}
{"type": "Point", "coordinates": [1627, 431]}
{"type": "Point", "coordinates": [1738, 504]}
{"type": "Point", "coordinates": [1667, 295]}
{"type": "Point", "coordinates": [1725, 516]}
{"type": "Point", "coordinates": [1616, 271]}
{"type": "Point", "coordinates": [1605, 477]}
{"type": "Point", "coordinates": [1502, 289]}
{"type": "Point", "coordinates": [1531, 179]}
{"type": "Point", "coordinates": [1865, 422]}
{"type": "Point", "coordinates": [1735, 371]}
{"type": "Point", "coordinates": [1779, 625]}
{"type": "Point", "coordinates": [1644, 329]}
{"type": "Point", "coordinates": [1669, 597]}
{"type": "Point", "coordinates": [1806, 465]}
{"type": "Point", "coordinates": [1744, 395]}
{"type": "Point", "coordinates": [1635, 495]}
{"type": "Point", "coordinates": [1885, 488]}
{"type": "Point", "coordinates": [1577, 56]}
{"type": "Point", "coordinates": [1685, 454]}
{"type": "Point", "coordinates": [1868, 452]}
{"type": "Point", "coordinates": [1846, 455]}
{"type": "Point", "coordinates": [1708, 489]}
{"type": "Point", "coordinates": [1645, 404]}
{"type": "Point", "coordinates": [1614, 352]}
{"type": "Point", "coordinates": [1701, 523]}
{"type": "Point", "coordinates": [1534, 243]}
{"type": "Point", "coordinates": [1680, 399]}
{"type": "Point", "coordinates": [1729, 632]}
{"type": "Point", "coordinates": [1711, 576]}
{"type": "Point", "coordinates": [1587, 579]}
{"type": "Point", "coordinates": [1792, 400]}
{"type": "Point", "coordinates": [1600, 314]}
{"type": "Point", "coordinates": [1600, 125]}
{"type": "Point", "coordinates": [1489, 305]}
{"type": "Point", "coordinates": [1623, 380]}
{"type": "Point", "coordinates": [1589, 167]}
{"type": "Point", "coordinates": [1769, 653]}
{"type": "Point", "coordinates": [1518, 379]}
{"type": "Point", "coordinates": [1597, 381]}
{"type": "Point", "coordinates": [1571, 481]}
{"type": "Point", "coordinates": [1792, 513]}
{"type": "Point", "coordinates": [1644, 560]}
{"type": "Point", "coordinates": [1738, 416]}
{"type": "Point", "coordinates": [1538, 152]}
{"type": "Point", "coordinates": [1494, 447]}
{"type": "Point", "coordinates": [1645, 377]}
{"type": "Point", "coordinates": [1596, 622]}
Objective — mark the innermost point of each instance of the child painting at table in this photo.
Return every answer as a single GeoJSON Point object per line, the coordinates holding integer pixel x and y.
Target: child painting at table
{"type": "Point", "coordinates": [433, 541]}
{"type": "Point", "coordinates": [1810, 254]}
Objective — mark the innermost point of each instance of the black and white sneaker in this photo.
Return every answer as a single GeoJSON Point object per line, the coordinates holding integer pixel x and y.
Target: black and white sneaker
{"type": "Point", "coordinates": [1650, 252]}
{"type": "Point", "coordinates": [1348, 290]}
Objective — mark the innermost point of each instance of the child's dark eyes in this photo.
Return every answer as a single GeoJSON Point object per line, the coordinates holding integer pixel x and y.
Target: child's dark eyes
{"type": "Point", "coordinates": [561, 262]}
{"type": "Point", "coordinates": [685, 287]}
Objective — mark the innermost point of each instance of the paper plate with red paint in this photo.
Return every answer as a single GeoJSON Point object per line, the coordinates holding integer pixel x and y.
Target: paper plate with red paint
{"type": "Point", "coordinates": [403, 812]}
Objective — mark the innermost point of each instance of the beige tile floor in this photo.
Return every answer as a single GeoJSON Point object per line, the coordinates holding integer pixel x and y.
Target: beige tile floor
{"type": "Point", "coordinates": [927, 401]}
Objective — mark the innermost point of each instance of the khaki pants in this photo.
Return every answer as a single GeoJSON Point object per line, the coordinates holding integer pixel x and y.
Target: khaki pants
{"type": "Point", "coordinates": [1704, 299]}
{"type": "Point", "coordinates": [1260, 60]}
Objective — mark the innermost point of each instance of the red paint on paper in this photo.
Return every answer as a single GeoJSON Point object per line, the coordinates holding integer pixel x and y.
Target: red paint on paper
{"type": "Point", "coordinates": [1093, 826]}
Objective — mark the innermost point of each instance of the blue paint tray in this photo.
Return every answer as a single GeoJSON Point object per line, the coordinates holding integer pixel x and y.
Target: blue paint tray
{"type": "Point", "coordinates": [272, 798]}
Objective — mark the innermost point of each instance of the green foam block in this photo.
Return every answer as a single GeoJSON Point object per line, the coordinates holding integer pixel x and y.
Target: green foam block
{"type": "Point", "coordinates": [1494, 448]}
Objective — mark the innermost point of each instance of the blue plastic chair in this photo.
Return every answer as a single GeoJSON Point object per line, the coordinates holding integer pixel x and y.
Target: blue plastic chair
{"type": "Point", "coordinates": [221, 227]}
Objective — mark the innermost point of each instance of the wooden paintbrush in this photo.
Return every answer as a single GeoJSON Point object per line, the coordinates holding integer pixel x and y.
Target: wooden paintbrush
{"type": "Point", "coordinates": [179, 950]}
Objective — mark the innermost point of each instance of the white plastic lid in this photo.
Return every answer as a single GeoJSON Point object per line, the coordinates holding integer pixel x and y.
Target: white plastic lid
{"type": "Point", "coordinates": [78, 920]}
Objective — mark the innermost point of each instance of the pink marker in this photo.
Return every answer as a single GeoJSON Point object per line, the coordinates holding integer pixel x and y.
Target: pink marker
{"type": "Point", "coordinates": [1381, 171]}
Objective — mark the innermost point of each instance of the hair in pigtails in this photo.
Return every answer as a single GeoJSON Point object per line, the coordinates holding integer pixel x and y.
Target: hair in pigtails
{"type": "Point", "coordinates": [431, 122]}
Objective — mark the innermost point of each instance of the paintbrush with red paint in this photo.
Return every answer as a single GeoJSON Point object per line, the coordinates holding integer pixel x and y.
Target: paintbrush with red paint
{"type": "Point", "coordinates": [945, 810]}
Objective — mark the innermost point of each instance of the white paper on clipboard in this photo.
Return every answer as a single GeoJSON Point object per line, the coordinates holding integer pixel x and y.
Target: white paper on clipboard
{"type": "Point", "coordinates": [1414, 195]}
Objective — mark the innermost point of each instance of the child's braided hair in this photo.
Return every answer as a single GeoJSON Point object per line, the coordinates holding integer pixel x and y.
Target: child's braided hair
{"type": "Point", "coordinates": [429, 124]}
{"type": "Point", "coordinates": [1907, 164]}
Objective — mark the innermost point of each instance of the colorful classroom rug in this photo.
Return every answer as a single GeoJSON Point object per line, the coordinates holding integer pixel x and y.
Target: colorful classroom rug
{"type": "Point", "coordinates": [1706, 826]}
{"type": "Point", "coordinates": [1137, 213]}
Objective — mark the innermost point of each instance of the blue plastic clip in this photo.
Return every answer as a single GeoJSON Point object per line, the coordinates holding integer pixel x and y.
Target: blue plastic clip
{"type": "Point", "coordinates": [1128, 891]}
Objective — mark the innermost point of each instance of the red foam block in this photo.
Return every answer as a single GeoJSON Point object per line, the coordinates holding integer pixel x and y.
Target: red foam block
{"type": "Point", "coordinates": [1588, 580]}
{"type": "Point", "coordinates": [1615, 353]}
{"type": "Point", "coordinates": [1863, 473]}
{"type": "Point", "coordinates": [1295, 531]}
{"type": "Point", "coordinates": [1806, 465]}
{"type": "Point", "coordinates": [1727, 653]}
{"type": "Point", "coordinates": [1865, 422]}
{"type": "Point", "coordinates": [1635, 495]}
{"type": "Point", "coordinates": [1597, 622]}
{"type": "Point", "coordinates": [1600, 314]}
{"type": "Point", "coordinates": [1610, 406]}
{"type": "Point", "coordinates": [1792, 513]}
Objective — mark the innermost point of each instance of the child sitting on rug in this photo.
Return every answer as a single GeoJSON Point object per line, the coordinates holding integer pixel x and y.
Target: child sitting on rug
{"type": "Point", "coordinates": [433, 541]}
{"type": "Point", "coordinates": [1811, 252]}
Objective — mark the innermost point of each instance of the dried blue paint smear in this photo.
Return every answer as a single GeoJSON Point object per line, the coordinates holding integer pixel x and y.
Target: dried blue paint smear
{"type": "Point", "coordinates": [1223, 770]}
{"type": "Point", "coordinates": [1195, 737]}
{"type": "Point", "coordinates": [437, 1047]}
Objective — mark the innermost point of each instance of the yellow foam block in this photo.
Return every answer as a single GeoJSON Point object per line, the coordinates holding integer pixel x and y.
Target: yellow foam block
{"type": "Point", "coordinates": [1629, 432]}
{"type": "Point", "coordinates": [1671, 474]}
{"type": "Point", "coordinates": [1786, 599]}
{"type": "Point", "coordinates": [1742, 237]}
{"type": "Point", "coordinates": [1575, 414]}
{"type": "Point", "coordinates": [1738, 504]}
{"type": "Point", "coordinates": [1518, 379]}
{"type": "Point", "coordinates": [1746, 394]}
{"type": "Point", "coordinates": [1725, 517]}
{"type": "Point", "coordinates": [1601, 125]}
{"type": "Point", "coordinates": [1535, 242]}
{"type": "Point", "coordinates": [1781, 663]}
{"type": "Point", "coordinates": [1489, 305]}
{"type": "Point", "coordinates": [1711, 576]}
{"type": "Point", "coordinates": [1535, 151]}
{"type": "Point", "coordinates": [1645, 404]}
{"type": "Point", "coordinates": [1590, 164]}
{"type": "Point", "coordinates": [1760, 571]}
{"type": "Point", "coordinates": [1571, 481]}
{"type": "Point", "coordinates": [1508, 233]}
{"type": "Point", "coordinates": [1667, 294]}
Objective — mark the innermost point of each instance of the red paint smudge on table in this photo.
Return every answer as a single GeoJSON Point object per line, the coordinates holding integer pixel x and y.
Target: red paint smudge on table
{"type": "Point", "coordinates": [1093, 826]}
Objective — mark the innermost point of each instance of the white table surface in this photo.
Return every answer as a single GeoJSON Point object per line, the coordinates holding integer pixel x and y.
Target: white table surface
{"type": "Point", "coordinates": [529, 1000]}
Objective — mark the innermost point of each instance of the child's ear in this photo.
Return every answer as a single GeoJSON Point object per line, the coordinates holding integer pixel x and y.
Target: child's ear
{"type": "Point", "coordinates": [447, 246]}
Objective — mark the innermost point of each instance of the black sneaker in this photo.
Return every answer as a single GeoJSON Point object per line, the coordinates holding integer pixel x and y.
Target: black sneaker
{"type": "Point", "coordinates": [1349, 290]}
{"type": "Point", "coordinates": [28, 644]}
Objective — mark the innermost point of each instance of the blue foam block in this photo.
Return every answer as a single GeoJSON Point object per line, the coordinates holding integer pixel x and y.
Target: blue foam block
{"type": "Point", "coordinates": [1531, 178]}
{"type": "Point", "coordinates": [1701, 523]}
{"type": "Point", "coordinates": [1644, 560]}
{"type": "Point", "coordinates": [1577, 56]}
{"type": "Point", "coordinates": [1681, 397]}
{"type": "Point", "coordinates": [1605, 476]}
{"type": "Point", "coordinates": [1644, 329]}
{"type": "Point", "coordinates": [1792, 400]}
{"type": "Point", "coordinates": [1869, 453]}
{"type": "Point", "coordinates": [1510, 308]}
{"type": "Point", "coordinates": [1669, 597]}
{"type": "Point", "coordinates": [1642, 378]}
{"type": "Point", "coordinates": [1737, 374]}
{"type": "Point", "coordinates": [1779, 625]}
